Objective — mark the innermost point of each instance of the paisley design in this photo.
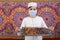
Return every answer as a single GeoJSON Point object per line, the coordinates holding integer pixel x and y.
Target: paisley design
{"type": "Point", "coordinates": [48, 18]}
{"type": "Point", "coordinates": [18, 17]}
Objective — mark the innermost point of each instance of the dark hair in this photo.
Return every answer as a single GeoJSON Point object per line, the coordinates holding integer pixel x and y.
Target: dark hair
{"type": "Point", "coordinates": [30, 6]}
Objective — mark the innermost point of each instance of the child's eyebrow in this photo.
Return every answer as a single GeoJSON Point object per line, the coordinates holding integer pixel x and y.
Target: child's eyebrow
{"type": "Point", "coordinates": [30, 6]}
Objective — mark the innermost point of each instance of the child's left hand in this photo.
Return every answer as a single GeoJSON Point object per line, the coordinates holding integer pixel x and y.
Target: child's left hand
{"type": "Point", "coordinates": [51, 28]}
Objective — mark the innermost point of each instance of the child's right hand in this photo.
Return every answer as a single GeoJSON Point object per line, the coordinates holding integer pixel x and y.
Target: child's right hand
{"type": "Point", "coordinates": [17, 29]}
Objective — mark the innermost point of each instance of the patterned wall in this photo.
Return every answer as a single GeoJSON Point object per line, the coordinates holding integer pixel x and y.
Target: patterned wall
{"type": "Point", "coordinates": [12, 14]}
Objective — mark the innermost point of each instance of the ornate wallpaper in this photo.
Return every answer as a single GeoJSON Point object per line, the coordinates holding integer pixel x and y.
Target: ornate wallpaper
{"type": "Point", "coordinates": [12, 14]}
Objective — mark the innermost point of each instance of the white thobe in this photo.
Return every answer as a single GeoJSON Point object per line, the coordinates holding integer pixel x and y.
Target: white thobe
{"type": "Point", "coordinates": [37, 22]}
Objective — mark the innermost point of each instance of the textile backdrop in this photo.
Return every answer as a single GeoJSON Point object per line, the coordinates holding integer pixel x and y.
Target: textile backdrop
{"type": "Point", "coordinates": [12, 14]}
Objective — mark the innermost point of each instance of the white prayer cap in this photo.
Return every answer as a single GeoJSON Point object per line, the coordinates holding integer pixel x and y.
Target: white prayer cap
{"type": "Point", "coordinates": [32, 4]}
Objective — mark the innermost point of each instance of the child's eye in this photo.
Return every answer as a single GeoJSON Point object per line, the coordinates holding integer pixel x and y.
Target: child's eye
{"type": "Point", "coordinates": [34, 9]}
{"type": "Point", "coordinates": [30, 9]}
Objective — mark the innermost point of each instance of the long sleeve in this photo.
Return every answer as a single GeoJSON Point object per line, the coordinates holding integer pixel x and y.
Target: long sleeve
{"type": "Point", "coordinates": [20, 29]}
{"type": "Point", "coordinates": [23, 24]}
{"type": "Point", "coordinates": [43, 23]}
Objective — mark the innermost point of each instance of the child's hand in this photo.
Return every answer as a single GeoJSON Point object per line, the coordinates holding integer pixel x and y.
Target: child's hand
{"type": "Point", "coordinates": [51, 28]}
{"type": "Point", "coordinates": [17, 30]}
